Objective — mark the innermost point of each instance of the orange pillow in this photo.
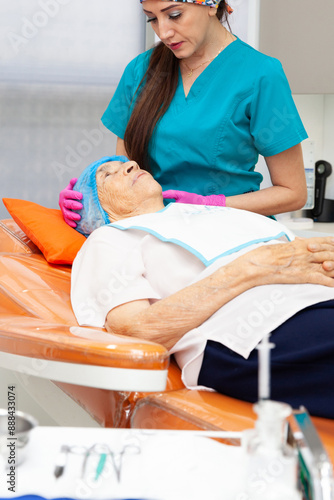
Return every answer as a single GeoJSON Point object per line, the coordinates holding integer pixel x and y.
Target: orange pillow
{"type": "Point", "coordinates": [46, 227]}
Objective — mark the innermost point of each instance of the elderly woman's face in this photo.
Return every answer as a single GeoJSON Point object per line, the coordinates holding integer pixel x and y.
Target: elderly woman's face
{"type": "Point", "coordinates": [123, 187]}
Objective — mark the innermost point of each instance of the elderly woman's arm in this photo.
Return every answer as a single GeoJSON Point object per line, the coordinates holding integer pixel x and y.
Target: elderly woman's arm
{"type": "Point", "coordinates": [166, 321]}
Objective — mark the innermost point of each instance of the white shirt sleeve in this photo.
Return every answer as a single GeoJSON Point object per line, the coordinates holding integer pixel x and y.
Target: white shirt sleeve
{"type": "Point", "coordinates": [108, 271]}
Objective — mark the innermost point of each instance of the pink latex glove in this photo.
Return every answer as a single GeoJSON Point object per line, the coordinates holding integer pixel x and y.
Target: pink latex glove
{"type": "Point", "coordinates": [217, 200]}
{"type": "Point", "coordinates": [67, 203]}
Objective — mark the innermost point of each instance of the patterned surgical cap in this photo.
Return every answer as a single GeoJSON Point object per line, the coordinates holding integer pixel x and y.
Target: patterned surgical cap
{"type": "Point", "coordinates": [210, 3]}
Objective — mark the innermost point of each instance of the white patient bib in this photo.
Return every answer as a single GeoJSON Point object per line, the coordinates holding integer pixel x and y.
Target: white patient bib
{"type": "Point", "coordinates": [207, 232]}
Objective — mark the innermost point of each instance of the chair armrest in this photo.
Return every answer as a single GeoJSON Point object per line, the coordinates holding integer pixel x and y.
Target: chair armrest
{"type": "Point", "coordinates": [79, 355]}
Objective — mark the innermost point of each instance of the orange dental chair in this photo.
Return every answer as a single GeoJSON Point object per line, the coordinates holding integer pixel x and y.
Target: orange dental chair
{"type": "Point", "coordinates": [119, 381]}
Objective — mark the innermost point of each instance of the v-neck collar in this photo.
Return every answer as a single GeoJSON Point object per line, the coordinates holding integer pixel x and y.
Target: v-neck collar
{"type": "Point", "coordinates": [209, 72]}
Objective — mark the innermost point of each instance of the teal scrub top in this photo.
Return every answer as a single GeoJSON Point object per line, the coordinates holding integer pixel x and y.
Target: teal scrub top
{"type": "Point", "coordinates": [240, 106]}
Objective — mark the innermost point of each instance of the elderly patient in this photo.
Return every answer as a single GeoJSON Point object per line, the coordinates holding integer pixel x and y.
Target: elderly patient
{"type": "Point", "coordinates": [208, 283]}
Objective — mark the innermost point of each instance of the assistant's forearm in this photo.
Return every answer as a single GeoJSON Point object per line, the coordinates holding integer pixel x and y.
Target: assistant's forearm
{"type": "Point", "coordinates": [269, 201]}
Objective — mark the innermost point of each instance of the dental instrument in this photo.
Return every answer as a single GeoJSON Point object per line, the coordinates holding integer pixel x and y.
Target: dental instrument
{"type": "Point", "coordinates": [117, 458]}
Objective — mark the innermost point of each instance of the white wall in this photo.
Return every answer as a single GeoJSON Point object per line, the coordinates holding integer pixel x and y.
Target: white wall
{"type": "Point", "coordinates": [60, 61]}
{"type": "Point", "coordinates": [68, 40]}
{"type": "Point", "coordinates": [245, 20]}
{"type": "Point", "coordinates": [317, 114]}
{"type": "Point", "coordinates": [328, 141]}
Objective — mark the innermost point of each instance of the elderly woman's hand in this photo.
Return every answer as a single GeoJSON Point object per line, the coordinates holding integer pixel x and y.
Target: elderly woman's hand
{"type": "Point", "coordinates": [316, 246]}
{"type": "Point", "coordinates": [301, 261]}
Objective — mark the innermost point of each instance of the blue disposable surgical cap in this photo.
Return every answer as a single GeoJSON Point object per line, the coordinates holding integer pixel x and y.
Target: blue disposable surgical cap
{"type": "Point", "coordinates": [92, 214]}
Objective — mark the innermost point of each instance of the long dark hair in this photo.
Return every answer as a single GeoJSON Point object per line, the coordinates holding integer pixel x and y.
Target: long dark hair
{"type": "Point", "coordinates": [153, 97]}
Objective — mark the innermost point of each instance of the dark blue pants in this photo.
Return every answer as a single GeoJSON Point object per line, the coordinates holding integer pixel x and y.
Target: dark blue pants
{"type": "Point", "coordinates": [302, 364]}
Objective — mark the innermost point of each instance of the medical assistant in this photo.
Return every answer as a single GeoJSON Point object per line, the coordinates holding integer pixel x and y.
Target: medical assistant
{"type": "Point", "coordinates": [240, 106]}
{"type": "Point", "coordinates": [118, 265]}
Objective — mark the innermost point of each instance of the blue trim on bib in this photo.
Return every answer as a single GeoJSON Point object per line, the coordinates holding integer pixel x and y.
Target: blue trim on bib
{"type": "Point", "coordinates": [195, 252]}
